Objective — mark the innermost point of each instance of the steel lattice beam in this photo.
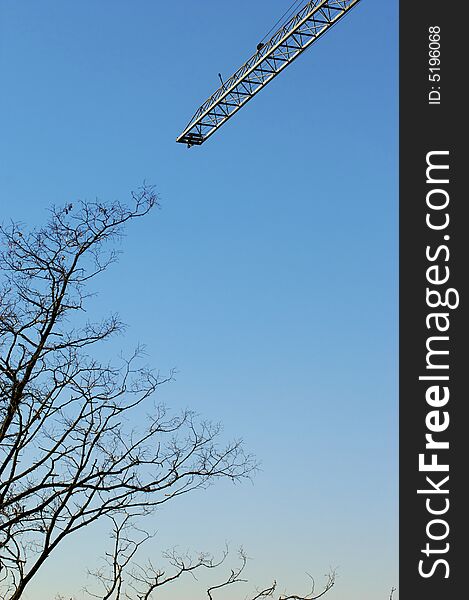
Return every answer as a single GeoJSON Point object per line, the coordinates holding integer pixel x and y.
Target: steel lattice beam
{"type": "Point", "coordinates": [302, 30]}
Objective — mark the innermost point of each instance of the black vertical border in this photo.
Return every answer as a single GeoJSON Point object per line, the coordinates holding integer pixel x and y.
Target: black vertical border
{"type": "Point", "coordinates": [424, 128]}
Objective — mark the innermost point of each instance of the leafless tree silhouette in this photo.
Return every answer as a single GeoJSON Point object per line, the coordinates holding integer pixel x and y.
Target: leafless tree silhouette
{"type": "Point", "coordinates": [122, 579]}
{"type": "Point", "coordinates": [69, 453]}
{"type": "Point", "coordinates": [72, 452]}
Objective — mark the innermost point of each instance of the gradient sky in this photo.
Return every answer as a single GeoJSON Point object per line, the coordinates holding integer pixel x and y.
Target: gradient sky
{"type": "Point", "coordinates": [269, 276]}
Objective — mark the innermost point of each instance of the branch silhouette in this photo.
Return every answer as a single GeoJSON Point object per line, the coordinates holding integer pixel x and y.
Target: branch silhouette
{"type": "Point", "coordinates": [69, 454]}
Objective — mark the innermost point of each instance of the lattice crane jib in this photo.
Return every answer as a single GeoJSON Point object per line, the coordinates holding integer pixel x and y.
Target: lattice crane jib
{"type": "Point", "coordinates": [299, 33]}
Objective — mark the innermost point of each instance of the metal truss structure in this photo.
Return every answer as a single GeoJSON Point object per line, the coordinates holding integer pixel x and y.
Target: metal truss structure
{"type": "Point", "coordinates": [302, 30]}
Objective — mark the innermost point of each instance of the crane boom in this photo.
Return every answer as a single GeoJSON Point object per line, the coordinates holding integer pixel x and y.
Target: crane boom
{"type": "Point", "coordinates": [302, 30]}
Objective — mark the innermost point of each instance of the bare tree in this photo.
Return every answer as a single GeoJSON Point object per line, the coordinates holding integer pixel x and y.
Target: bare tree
{"type": "Point", "coordinates": [69, 453]}
{"type": "Point", "coordinates": [121, 578]}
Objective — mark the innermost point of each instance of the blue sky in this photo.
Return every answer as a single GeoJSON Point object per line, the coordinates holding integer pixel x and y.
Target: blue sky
{"type": "Point", "coordinates": [269, 276]}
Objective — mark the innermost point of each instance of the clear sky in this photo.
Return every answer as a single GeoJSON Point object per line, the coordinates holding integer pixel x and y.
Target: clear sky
{"type": "Point", "coordinates": [269, 276]}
